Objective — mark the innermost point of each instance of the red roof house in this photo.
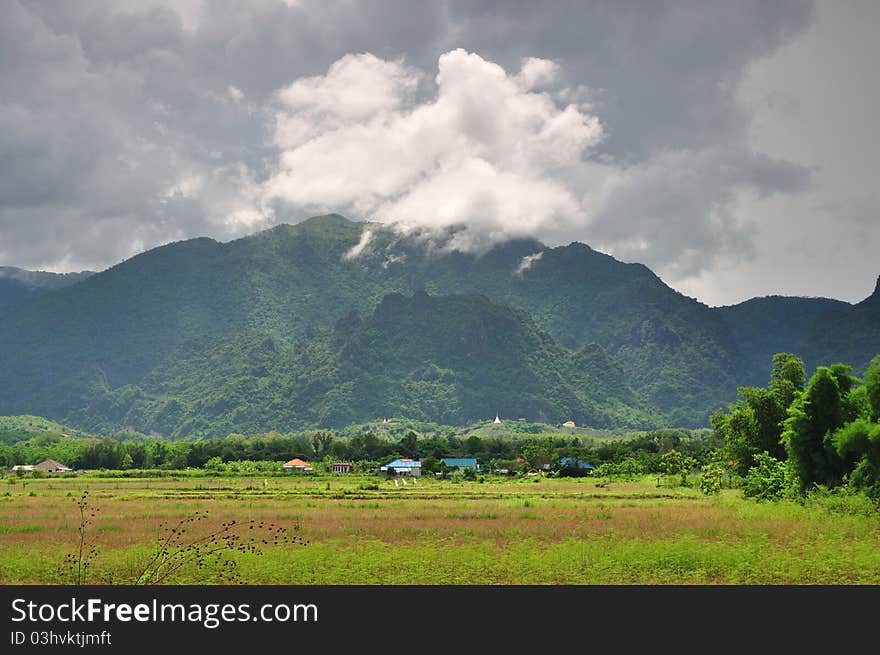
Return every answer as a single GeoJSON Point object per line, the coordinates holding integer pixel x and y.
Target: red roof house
{"type": "Point", "coordinates": [296, 464]}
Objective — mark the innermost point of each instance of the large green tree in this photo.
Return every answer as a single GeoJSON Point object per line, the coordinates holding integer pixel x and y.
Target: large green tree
{"type": "Point", "coordinates": [872, 385]}
{"type": "Point", "coordinates": [754, 424]}
{"type": "Point", "coordinates": [539, 452]}
{"type": "Point", "coordinates": [823, 408]}
{"type": "Point", "coordinates": [858, 445]}
{"type": "Point", "coordinates": [787, 378]}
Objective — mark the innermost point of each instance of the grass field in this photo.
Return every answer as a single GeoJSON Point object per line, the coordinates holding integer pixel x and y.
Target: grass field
{"type": "Point", "coordinates": [362, 530]}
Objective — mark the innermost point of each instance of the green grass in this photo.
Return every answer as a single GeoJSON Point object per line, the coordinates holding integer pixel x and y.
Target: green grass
{"type": "Point", "coordinates": [24, 529]}
{"type": "Point", "coordinates": [557, 532]}
{"type": "Point", "coordinates": [608, 560]}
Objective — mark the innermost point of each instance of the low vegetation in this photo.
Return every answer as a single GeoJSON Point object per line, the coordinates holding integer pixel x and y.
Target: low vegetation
{"type": "Point", "coordinates": [492, 530]}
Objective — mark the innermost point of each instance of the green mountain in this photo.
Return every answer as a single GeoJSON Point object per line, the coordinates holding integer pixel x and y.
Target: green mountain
{"type": "Point", "coordinates": [676, 352]}
{"type": "Point", "coordinates": [150, 341]}
{"type": "Point", "coordinates": [17, 284]}
{"type": "Point", "coordinates": [850, 335]}
{"type": "Point", "coordinates": [452, 359]}
{"type": "Point", "coordinates": [765, 326]}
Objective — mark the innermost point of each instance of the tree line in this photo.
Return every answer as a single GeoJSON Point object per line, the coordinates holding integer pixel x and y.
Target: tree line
{"type": "Point", "coordinates": [797, 435]}
{"type": "Point", "coordinates": [368, 448]}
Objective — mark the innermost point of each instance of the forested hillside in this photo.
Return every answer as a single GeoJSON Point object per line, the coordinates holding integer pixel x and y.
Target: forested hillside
{"type": "Point", "coordinates": [454, 359]}
{"type": "Point", "coordinates": [17, 285]}
{"type": "Point", "coordinates": [765, 326]}
{"type": "Point", "coordinates": [851, 335]}
{"type": "Point", "coordinates": [588, 336]}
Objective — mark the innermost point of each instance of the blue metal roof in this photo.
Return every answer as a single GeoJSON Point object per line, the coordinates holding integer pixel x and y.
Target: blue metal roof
{"type": "Point", "coordinates": [461, 462]}
{"type": "Point", "coordinates": [402, 464]}
{"type": "Point", "coordinates": [574, 462]}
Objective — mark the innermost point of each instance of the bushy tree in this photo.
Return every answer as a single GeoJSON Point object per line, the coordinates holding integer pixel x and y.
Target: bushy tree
{"type": "Point", "coordinates": [769, 409]}
{"type": "Point", "coordinates": [538, 452]}
{"type": "Point", "coordinates": [812, 418]}
{"type": "Point", "coordinates": [321, 442]}
{"type": "Point", "coordinates": [710, 478]}
{"type": "Point", "coordinates": [408, 445]}
{"type": "Point", "coordinates": [787, 377]}
{"type": "Point", "coordinates": [754, 424]}
{"type": "Point", "coordinates": [629, 469]}
{"type": "Point", "coordinates": [872, 386]}
{"type": "Point", "coordinates": [214, 464]}
{"type": "Point", "coordinates": [475, 447]}
{"type": "Point", "coordinates": [858, 444]}
{"type": "Point", "coordinates": [768, 479]}
{"type": "Point", "coordinates": [738, 427]}
{"type": "Point", "coordinates": [672, 463]}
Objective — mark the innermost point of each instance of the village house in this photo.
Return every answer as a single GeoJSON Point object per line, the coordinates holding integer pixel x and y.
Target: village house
{"type": "Point", "coordinates": [461, 463]}
{"type": "Point", "coordinates": [342, 467]}
{"type": "Point", "coordinates": [47, 465]}
{"type": "Point", "coordinates": [575, 466]}
{"type": "Point", "coordinates": [51, 466]}
{"type": "Point", "coordinates": [403, 466]}
{"type": "Point", "coordinates": [296, 465]}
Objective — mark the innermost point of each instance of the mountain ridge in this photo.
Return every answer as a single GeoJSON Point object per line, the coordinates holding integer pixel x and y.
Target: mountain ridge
{"type": "Point", "coordinates": [19, 284]}
{"type": "Point", "coordinates": [679, 356]}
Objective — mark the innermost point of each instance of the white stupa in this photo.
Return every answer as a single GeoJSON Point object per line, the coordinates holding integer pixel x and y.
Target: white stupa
{"type": "Point", "coordinates": [497, 420]}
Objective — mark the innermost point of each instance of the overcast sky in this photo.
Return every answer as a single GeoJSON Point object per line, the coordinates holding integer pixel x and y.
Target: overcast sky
{"type": "Point", "coordinates": [730, 146]}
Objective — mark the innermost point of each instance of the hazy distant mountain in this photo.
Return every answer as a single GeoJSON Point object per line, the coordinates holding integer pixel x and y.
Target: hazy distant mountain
{"type": "Point", "coordinates": [88, 350]}
{"type": "Point", "coordinates": [17, 284]}
{"type": "Point", "coordinates": [765, 326]}
{"type": "Point", "coordinates": [851, 335]}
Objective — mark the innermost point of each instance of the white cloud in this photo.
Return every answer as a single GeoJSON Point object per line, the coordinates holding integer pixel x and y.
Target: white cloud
{"type": "Point", "coordinates": [482, 152]}
{"type": "Point", "coordinates": [357, 89]}
{"type": "Point", "coordinates": [357, 249]}
{"type": "Point", "coordinates": [505, 156]}
{"type": "Point", "coordinates": [537, 72]}
{"type": "Point", "coordinates": [393, 259]}
{"type": "Point", "coordinates": [527, 262]}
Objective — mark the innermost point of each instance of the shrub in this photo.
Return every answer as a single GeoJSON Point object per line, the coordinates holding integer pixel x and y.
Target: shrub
{"type": "Point", "coordinates": [842, 500]}
{"type": "Point", "coordinates": [769, 479]}
{"type": "Point", "coordinates": [865, 477]}
{"type": "Point", "coordinates": [629, 468]}
{"type": "Point", "coordinates": [710, 478]}
{"type": "Point", "coordinates": [215, 465]}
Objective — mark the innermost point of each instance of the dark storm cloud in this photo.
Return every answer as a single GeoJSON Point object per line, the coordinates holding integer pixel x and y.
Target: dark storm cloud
{"type": "Point", "coordinates": [124, 125]}
{"type": "Point", "coordinates": [664, 73]}
{"type": "Point", "coordinates": [122, 116]}
{"type": "Point", "coordinates": [674, 211]}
